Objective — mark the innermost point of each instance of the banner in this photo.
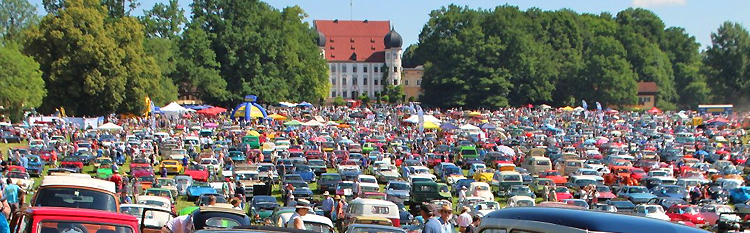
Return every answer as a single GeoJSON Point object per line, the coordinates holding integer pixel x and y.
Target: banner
{"type": "Point", "coordinates": [598, 106]}
{"type": "Point", "coordinates": [584, 105]}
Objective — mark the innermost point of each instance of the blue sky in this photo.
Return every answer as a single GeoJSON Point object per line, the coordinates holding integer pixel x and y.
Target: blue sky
{"type": "Point", "coordinates": [698, 17]}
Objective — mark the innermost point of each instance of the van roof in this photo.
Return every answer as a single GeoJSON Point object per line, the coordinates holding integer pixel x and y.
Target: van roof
{"type": "Point", "coordinates": [78, 181]}
{"type": "Point", "coordinates": [371, 202]}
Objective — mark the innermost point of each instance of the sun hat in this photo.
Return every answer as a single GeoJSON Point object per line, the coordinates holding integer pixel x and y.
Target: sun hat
{"type": "Point", "coordinates": [303, 204]}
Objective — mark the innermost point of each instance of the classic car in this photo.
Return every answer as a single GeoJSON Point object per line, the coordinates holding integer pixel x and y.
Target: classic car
{"type": "Point", "coordinates": [307, 174]}
{"type": "Point", "coordinates": [387, 173]}
{"type": "Point", "coordinates": [53, 219]}
{"type": "Point", "coordinates": [397, 191]}
{"type": "Point", "coordinates": [520, 201]}
{"type": "Point", "coordinates": [483, 208]}
{"type": "Point", "coordinates": [197, 188]}
{"type": "Point", "coordinates": [261, 207]}
{"type": "Point", "coordinates": [555, 176]}
{"type": "Point", "coordinates": [72, 162]}
{"type": "Point", "coordinates": [328, 182]}
{"type": "Point", "coordinates": [22, 179]}
{"type": "Point", "coordinates": [686, 213]}
{"type": "Point", "coordinates": [197, 172]}
{"type": "Point", "coordinates": [636, 194]}
{"type": "Point", "coordinates": [35, 166]}
{"type": "Point", "coordinates": [520, 190]}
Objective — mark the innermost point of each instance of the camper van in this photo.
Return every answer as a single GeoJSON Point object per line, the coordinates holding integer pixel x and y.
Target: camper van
{"type": "Point", "coordinates": [537, 164]}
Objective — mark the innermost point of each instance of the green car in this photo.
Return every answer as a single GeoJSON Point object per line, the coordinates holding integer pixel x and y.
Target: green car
{"type": "Point", "coordinates": [104, 172]}
{"type": "Point", "coordinates": [187, 210]}
{"type": "Point", "coordinates": [426, 191]}
{"type": "Point", "coordinates": [261, 207]}
{"type": "Point", "coordinates": [252, 141]}
{"type": "Point", "coordinates": [367, 148]}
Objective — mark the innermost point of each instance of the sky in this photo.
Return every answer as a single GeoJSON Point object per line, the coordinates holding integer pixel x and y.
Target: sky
{"type": "Point", "coordinates": [698, 17]}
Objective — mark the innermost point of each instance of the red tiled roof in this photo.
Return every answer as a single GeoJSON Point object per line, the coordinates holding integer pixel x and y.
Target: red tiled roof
{"type": "Point", "coordinates": [344, 38]}
{"type": "Point", "coordinates": [647, 87]}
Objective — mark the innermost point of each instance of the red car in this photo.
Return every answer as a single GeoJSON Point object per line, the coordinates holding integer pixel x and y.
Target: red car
{"type": "Point", "coordinates": [563, 193]}
{"type": "Point", "coordinates": [139, 162]}
{"type": "Point", "coordinates": [63, 219]}
{"type": "Point", "coordinates": [686, 213]}
{"type": "Point", "coordinates": [197, 172]}
{"type": "Point", "coordinates": [555, 176]}
{"type": "Point", "coordinates": [434, 159]}
{"type": "Point", "coordinates": [637, 173]}
{"type": "Point", "coordinates": [46, 155]}
{"type": "Point", "coordinates": [141, 171]}
{"type": "Point", "coordinates": [496, 158]}
{"type": "Point", "coordinates": [604, 193]}
{"type": "Point", "coordinates": [73, 162]}
{"type": "Point", "coordinates": [313, 154]}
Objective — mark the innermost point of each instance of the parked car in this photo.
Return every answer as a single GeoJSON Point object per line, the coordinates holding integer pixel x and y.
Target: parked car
{"type": "Point", "coordinates": [636, 194]}
{"type": "Point", "coordinates": [651, 211]}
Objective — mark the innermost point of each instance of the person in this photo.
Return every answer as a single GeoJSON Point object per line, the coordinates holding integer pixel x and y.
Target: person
{"type": "Point", "coordinates": [295, 221]}
{"type": "Point", "coordinates": [462, 194]}
{"type": "Point", "coordinates": [446, 213]}
{"type": "Point", "coordinates": [327, 204]}
{"type": "Point", "coordinates": [464, 219]}
{"type": "Point", "coordinates": [163, 171]}
{"type": "Point", "coordinates": [340, 210]}
{"type": "Point", "coordinates": [545, 190]}
{"type": "Point", "coordinates": [236, 203]}
{"type": "Point", "coordinates": [472, 228]}
{"type": "Point", "coordinates": [432, 225]}
{"type": "Point", "coordinates": [11, 194]}
{"type": "Point", "coordinates": [181, 224]}
{"type": "Point", "coordinates": [5, 210]}
{"type": "Point", "coordinates": [552, 195]}
{"type": "Point", "coordinates": [211, 201]}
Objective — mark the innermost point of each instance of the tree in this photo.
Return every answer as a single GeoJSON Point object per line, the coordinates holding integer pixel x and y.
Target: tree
{"type": "Point", "coordinates": [727, 63]}
{"type": "Point", "coordinates": [408, 59]}
{"type": "Point", "coordinates": [411, 99]}
{"type": "Point", "coordinates": [197, 68]}
{"type": "Point", "coordinates": [93, 65]}
{"type": "Point", "coordinates": [164, 20]}
{"type": "Point", "coordinates": [21, 80]}
{"type": "Point", "coordinates": [262, 50]}
{"type": "Point", "coordinates": [365, 99]}
{"type": "Point", "coordinates": [690, 82]}
{"type": "Point", "coordinates": [386, 99]}
{"type": "Point", "coordinates": [120, 8]}
{"type": "Point", "coordinates": [339, 101]}
{"type": "Point", "coordinates": [607, 76]}
{"type": "Point", "coordinates": [15, 16]}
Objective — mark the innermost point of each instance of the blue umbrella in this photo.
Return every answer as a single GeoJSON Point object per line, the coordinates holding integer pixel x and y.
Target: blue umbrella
{"type": "Point", "coordinates": [589, 141]}
{"type": "Point", "coordinates": [487, 126]}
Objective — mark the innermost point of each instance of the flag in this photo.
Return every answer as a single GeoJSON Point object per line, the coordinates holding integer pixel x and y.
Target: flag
{"type": "Point", "coordinates": [420, 113]}
{"type": "Point", "coordinates": [598, 106]}
{"type": "Point", "coordinates": [585, 105]}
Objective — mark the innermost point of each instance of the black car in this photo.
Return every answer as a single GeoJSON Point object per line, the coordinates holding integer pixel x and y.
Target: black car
{"type": "Point", "coordinates": [86, 157]}
{"type": "Point", "coordinates": [10, 137]}
{"type": "Point", "coordinates": [218, 218]}
{"type": "Point", "coordinates": [623, 206]}
{"type": "Point", "coordinates": [328, 182]}
{"type": "Point", "coordinates": [301, 190]}
{"type": "Point", "coordinates": [667, 202]}
{"type": "Point", "coordinates": [204, 199]}
{"type": "Point", "coordinates": [545, 219]}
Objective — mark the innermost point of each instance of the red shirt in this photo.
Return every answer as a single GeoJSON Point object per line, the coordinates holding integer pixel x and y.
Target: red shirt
{"type": "Point", "coordinates": [117, 180]}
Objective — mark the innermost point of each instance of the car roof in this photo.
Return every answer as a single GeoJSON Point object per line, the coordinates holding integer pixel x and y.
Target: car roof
{"type": "Point", "coordinates": [582, 219]}
{"type": "Point", "coordinates": [88, 213]}
{"type": "Point", "coordinates": [79, 181]}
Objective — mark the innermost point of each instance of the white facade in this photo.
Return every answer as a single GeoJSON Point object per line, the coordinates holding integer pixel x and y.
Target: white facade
{"type": "Point", "coordinates": [351, 79]}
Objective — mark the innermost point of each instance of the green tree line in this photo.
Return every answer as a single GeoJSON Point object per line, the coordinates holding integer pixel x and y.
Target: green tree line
{"type": "Point", "coordinates": [92, 57]}
{"type": "Point", "coordinates": [508, 57]}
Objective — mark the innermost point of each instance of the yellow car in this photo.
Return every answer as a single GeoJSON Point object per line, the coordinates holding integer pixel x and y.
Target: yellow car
{"type": "Point", "coordinates": [102, 161]}
{"type": "Point", "coordinates": [173, 166]}
{"type": "Point", "coordinates": [484, 175]}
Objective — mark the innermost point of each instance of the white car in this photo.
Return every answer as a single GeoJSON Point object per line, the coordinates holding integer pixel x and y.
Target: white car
{"type": "Point", "coordinates": [651, 211]}
{"type": "Point", "coordinates": [476, 167]}
{"type": "Point", "coordinates": [422, 171]}
{"type": "Point", "coordinates": [211, 163]}
{"type": "Point", "coordinates": [282, 145]}
{"type": "Point", "coordinates": [153, 218]}
{"type": "Point", "coordinates": [482, 190]}
{"type": "Point", "coordinates": [22, 179]}
{"type": "Point", "coordinates": [367, 179]}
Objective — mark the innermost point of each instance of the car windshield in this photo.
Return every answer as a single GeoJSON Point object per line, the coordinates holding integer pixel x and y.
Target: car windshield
{"type": "Point", "coordinates": [582, 182]}
{"type": "Point", "coordinates": [520, 189]}
{"type": "Point", "coordinates": [651, 209]}
{"type": "Point", "coordinates": [81, 227]}
{"type": "Point", "coordinates": [368, 180]}
{"type": "Point", "coordinates": [219, 199]}
{"type": "Point", "coordinates": [511, 178]}
{"type": "Point", "coordinates": [637, 190]}
{"type": "Point", "coordinates": [399, 186]}
{"type": "Point", "coordinates": [602, 189]}
{"type": "Point", "coordinates": [166, 182]}
{"type": "Point", "coordinates": [264, 199]}
{"type": "Point", "coordinates": [317, 227]}
{"type": "Point", "coordinates": [332, 178]}
{"type": "Point", "coordinates": [345, 185]}
{"type": "Point", "coordinates": [316, 163]}
{"type": "Point", "coordinates": [76, 198]}
{"type": "Point", "coordinates": [672, 189]}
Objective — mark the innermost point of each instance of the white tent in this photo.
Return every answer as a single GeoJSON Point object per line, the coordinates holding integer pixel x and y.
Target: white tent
{"type": "Point", "coordinates": [469, 127]}
{"type": "Point", "coordinates": [173, 107]}
{"type": "Point", "coordinates": [110, 126]}
{"type": "Point", "coordinates": [313, 123]}
{"type": "Point", "coordinates": [415, 119]}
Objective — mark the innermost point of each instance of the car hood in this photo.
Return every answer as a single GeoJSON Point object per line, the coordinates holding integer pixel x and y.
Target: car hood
{"type": "Point", "coordinates": [642, 195]}
{"type": "Point", "coordinates": [201, 189]}
{"type": "Point", "coordinates": [196, 173]}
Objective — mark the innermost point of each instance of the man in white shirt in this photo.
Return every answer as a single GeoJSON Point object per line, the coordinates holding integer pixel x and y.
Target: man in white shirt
{"type": "Point", "coordinates": [464, 219]}
{"type": "Point", "coordinates": [181, 224]}
{"type": "Point", "coordinates": [462, 194]}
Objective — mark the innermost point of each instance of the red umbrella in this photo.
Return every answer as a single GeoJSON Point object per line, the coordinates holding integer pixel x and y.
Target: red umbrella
{"type": "Point", "coordinates": [318, 139]}
{"type": "Point", "coordinates": [654, 110]}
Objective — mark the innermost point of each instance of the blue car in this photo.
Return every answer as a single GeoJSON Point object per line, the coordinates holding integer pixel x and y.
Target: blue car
{"type": "Point", "coordinates": [197, 189]}
{"type": "Point", "coordinates": [308, 175]}
{"type": "Point", "coordinates": [673, 191]}
{"type": "Point", "coordinates": [636, 194]}
{"type": "Point", "coordinates": [35, 165]}
{"type": "Point", "coordinates": [739, 195]}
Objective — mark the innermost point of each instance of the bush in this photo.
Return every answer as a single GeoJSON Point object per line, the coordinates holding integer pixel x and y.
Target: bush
{"type": "Point", "coordinates": [339, 101]}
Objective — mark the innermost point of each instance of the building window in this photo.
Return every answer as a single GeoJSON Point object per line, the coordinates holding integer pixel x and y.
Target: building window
{"type": "Point", "coordinates": [343, 68]}
{"type": "Point", "coordinates": [344, 93]}
{"type": "Point", "coordinates": [364, 81]}
{"type": "Point", "coordinates": [333, 94]}
{"type": "Point", "coordinates": [395, 82]}
{"type": "Point", "coordinates": [333, 68]}
{"type": "Point", "coordinates": [354, 79]}
{"type": "Point", "coordinates": [343, 81]}
{"type": "Point", "coordinates": [376, 69]}
{"type": "Point", "coordinates": [395, 69]}
{"type": "Point", "coordinates": [333, 81]}
{"type": "Point", "coordinates": [364, 69]}
{"type": "Point", "coordinates": [419, 82]}
{"type": "Point", "coordinates": [406, 82]}
{"type": "Point", "coordinates": [376, 82]}
{"type": "Point", "coordinates": [354, 69]}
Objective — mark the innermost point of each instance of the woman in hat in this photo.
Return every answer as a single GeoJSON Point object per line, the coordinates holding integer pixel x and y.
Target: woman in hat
{"type": "Point", "coordinates": [303, 206]}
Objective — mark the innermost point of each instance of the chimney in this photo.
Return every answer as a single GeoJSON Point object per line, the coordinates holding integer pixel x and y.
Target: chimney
{"type": "Point", "coordinates": [366, 21]}
{"type": "Point", "coordinates": [336, 21]}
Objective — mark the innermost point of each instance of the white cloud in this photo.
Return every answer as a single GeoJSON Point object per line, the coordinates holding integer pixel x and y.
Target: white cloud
{"type": "Point", "coordinates": [648, 3]}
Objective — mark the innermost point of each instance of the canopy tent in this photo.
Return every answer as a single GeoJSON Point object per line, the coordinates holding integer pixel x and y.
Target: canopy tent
{"type": "Point", "coordinates": [304, 104]}
{"type": "Point", "coordinates": [109, 126]}
{"type": "Point", "coordinates": [415, 119]}
{"type": "Point", "coordinates": [544, 107]}
{"type": "Point", "coordinates": [448, 126]}
{"type": "Point", "coordinates": [277, 117]}
{"type": "Point", "coordinates": [287, 104]}
{"type": "Point", "coordinates": [430, 125]}
{"type": "Point", "coordinates": [174, 110]}
{"type": "Point", "coordinates": [654, 110]}
{"type": "Point", "coordinates": [469, 127]}
{"type": "Point", "coordinates": [293, 123]}
{"type": "Point", "coordinates": [212, 111]}
{"type": "Point", "coordinates": [567, 109]}
{"type": "Point", "coordinates": [474, 113]}
{"type": "Point", "coordinates": [313, 123]}
{"type": "Point", "coordinates": [579, 109]}
{"type": "Point", "coordinates": [210, 125]}
{"type": "Point", "coordinates": [249, 109]}
{"type": "Point", "coordinates": [487, 126]}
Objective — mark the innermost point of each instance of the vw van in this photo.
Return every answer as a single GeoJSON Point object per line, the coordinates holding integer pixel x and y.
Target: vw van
{"type": "Point", "coordinates": [536, 164]}
{"type": "Point", "coordinates": [360, 207]}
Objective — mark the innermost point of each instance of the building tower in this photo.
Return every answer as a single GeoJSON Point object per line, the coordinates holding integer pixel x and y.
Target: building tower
{"type": "Point", "coordinates": [393, 52]}
{"type": "Point", "coordinates": [321, 42]}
